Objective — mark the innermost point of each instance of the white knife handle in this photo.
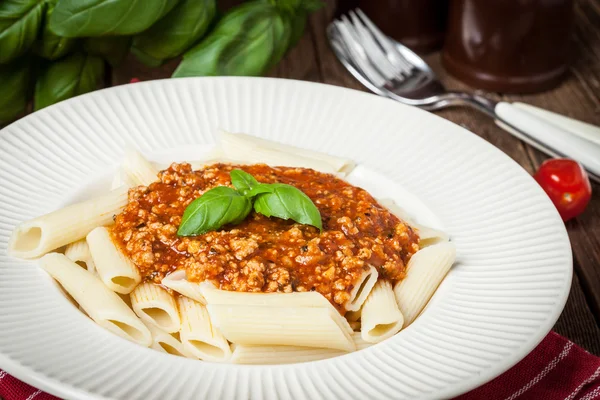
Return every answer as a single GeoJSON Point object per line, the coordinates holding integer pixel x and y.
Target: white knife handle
{"type": "Point", "coordinates": [579, 128]}
{"type": "Point", "coordinates": [551, 136]}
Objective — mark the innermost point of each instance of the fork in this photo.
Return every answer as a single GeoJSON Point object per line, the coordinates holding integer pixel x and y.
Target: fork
{"type": "Point", "coordinates": [392, 70]}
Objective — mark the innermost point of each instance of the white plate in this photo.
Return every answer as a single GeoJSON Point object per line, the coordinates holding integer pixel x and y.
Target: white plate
{"type": "Point", "coordinates": [507, 289]}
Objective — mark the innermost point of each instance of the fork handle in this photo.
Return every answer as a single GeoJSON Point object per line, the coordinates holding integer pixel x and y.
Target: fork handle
{"type": "Point", "coordinates": [550, 134]}
{"type": "Point", "coordinates": [579, 128]}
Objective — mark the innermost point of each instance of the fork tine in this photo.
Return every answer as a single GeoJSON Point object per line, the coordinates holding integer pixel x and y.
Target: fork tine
{"type": "Point", "coordinates": [357, 53]}
{"type": "Point", "coordinates": [385, 42]}
{"type": "Point", "coordinates": [371, 48]}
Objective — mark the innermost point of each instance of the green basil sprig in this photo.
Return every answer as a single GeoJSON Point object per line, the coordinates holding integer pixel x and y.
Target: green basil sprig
{"type": "Point", "coordinates": [20, 22]}
{"type": "Point", "coordinates": [78, 18]}
{"type": "Point", "coordinates": [217, 207]}
{"type": "Point", "coordinates": [175, 32]}
{"type": "Point", "coordinates": [51, 46]}
{"type": "Point", "coordinates": [243, 181]}
{"type": "Point", "coordinates": [70, 76]}
{"type": "Point", "coordinates": [113, 49]}
{"type": "Point", "coordinates": [14, 81]}
{"type": "Point", "coordinates": [223, 205]}
{"type": "Point", "coordinates": [247, 41]}
{"type": "Point", "coordinates": [287, 202]}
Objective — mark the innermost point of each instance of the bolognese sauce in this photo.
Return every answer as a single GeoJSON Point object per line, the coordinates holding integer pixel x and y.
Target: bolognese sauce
{"type": "Point", "coordinates": [264, 254]}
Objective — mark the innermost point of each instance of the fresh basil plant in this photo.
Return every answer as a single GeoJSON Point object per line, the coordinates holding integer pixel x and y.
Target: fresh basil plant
{"type": "Point", "coordinates": [20, 22]}
{"type": "Point", "coordinates": [68, 42]}
{"type": "Point", "coordinates": [175, 32]}
{"type": "Point", "coordinates": [51, 46]}
{"type": "Point", "coordinates": [71, 76]}
{"type": "Point", "coordinates": [78, 18]}
{"type": "Point", "coordinates": [223, 205]}
{"type": "Point", "coordinates": [14, 81]}
{"type": "Point", "coordinates": [113, 49]}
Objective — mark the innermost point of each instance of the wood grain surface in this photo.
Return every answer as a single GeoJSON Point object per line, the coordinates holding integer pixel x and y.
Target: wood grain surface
{"type": "Point", "coordinates": [578, 97]}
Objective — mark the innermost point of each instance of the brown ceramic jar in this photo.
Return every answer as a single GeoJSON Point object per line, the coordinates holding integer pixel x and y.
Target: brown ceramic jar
{"type": "Point", "coordinates": [511, 46]}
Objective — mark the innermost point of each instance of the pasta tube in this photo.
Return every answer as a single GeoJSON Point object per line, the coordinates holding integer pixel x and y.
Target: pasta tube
{"type": "Point", "coordinates": [362, 289]}
{"type": "Point", "coordinates": [295, 299]}
{"type": "Point", "coordinates": [295, 326]}
{"type": "Point", "coordinates": [359, 342]}
{"type": "Point", "coordinates": [429, 236]}
{"type": "Point", "coordinates": [178, 282]}
{"type": "Point", "coordinates": [102, 305]}
{"type": "Point", "coordinates": [155, 306]}
{"type": "Point", "coordinates": [269, 355]}
{"type": "Point", "coordinates": [380, 318]}
{"type": "Point", "coordinates": [121, 180]}
{"type": "Point", "coordinates": [79, 253]}
{"type": "Point", "coordinates": [40, 235]}
{"type": "Point", "coordinates": [198, 334]}
{"type": "Point", "coordinates": [251, 149]}
{"type": "Point", "coordinates": [168, 342]}
{"type": "Point", "coordinates": [425, 271]}
{"type": "Point", "coordinates": [115, 269]}
{"type": "Point", "coordinates": [139, 170]}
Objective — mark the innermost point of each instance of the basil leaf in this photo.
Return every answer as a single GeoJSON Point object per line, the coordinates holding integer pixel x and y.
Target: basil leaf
{"type": "Point", "coordinates": [51, 46]}
{"type": "Point", "coordinates": [242, 181]}
{"type": "Point", "coordinates": [14, 81]}
{"type": "Point", "coordinates": [217, 207]}
{"type": "Point", "coordinates": [113, 49]}
{"type": "Point", "coordinates": [76, 18]}
{"type": "Point", "coordinates": [20, 22]}
{"type": "Point", "coordinates": [288, 202]}
{"type": "Point", "coordinates": [247, 41]}
{"type": "Point", "coordinates": [175, 32]}
{"type": "Point", "coordinates": [261, 188]}
{"type": "Point", "coordinates": [68, 77]}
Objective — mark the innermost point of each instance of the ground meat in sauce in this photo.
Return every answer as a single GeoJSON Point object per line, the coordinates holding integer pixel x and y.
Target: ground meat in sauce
{"type": "Point", "coordinates": [265, 254]}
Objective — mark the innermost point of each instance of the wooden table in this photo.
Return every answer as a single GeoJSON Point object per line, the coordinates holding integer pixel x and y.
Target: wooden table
{"type": "Point", "coordinates": [577, 97]}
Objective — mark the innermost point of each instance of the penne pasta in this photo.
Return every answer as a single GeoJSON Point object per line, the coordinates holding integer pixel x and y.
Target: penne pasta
{"type": "Point", "coordinates": [117, 271]}
{"type": "Point", "coordinates": [251, 149]}
{"type": "Point", "coordinates": [79, 253]}
{"type": "Point", "coordinates": [41, 235]}
{"type": "Point", "coordinates": [429, 236]}
{"type": "Point", "coordinates": [295, 299]}
{"type": "Point", "coordinates": [269, 355]}
{"type": "Point", "coordinates": [359, 342]}
{"type": "Point", "coordinates": [121, 180]}
{"type": "Point", "coordinates": [362, 289]}
{"type": "Point", "coordinates": [198, 334]}
{"type": "Point", "coordinates": [381, 318]}
{"type": "Point", "coordinates": [138, 169]}
{"type": "Point", "coordinates": [295, 326]}
{"type": "Point", "coordinates": [101, 304]}
{"type": "Point", "coordinates": [168, 342]}
{"type": "Point", "coordinates": [178, 282]}
{"type": "Point", "coordinates": [396, 210]}
{"type": "Point", "coordinates": [425, 271]}
{"type": "Point", "coordinates": [155, 306]}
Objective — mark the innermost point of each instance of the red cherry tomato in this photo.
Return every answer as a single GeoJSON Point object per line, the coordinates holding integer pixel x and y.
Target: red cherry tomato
{"type": "Point", "coordinates": [134, 80]}
{"type": "Point", "coordinates": [567, 185]}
